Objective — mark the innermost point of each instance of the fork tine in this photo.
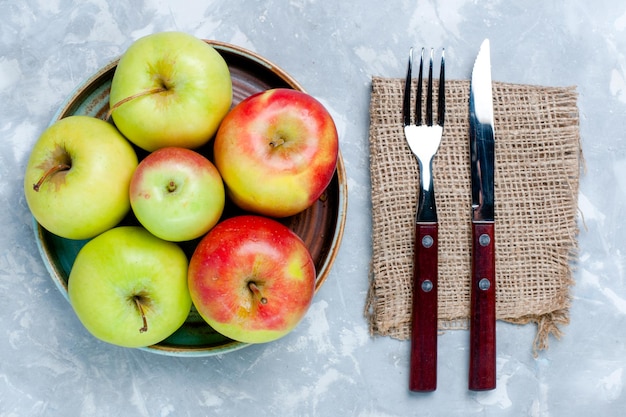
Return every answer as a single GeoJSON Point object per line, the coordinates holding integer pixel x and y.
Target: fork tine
{"type": "Point", "coordinates": [441, 99]}
{"type": "Point", "coordinates": [418, 98]}
{"type": "Point", "coordinates": [429, 92]}
{"type": "Point", "coordinates": [406, 104]}
{"type": "Point", "coordinates": [441, 103]}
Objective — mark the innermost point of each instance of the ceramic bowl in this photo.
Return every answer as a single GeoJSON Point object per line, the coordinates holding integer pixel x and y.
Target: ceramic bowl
{"type": "Point", "coordinates": [320, 227]}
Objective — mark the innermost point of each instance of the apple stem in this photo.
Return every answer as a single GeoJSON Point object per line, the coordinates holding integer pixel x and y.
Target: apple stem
{"type": "Point", "coordinates": [143, 315]}
{"type": "Point", "coordinates": [171, 186]}
{"type": "Point", "coordinates": [277, 142]}
{"type": "Point", "coordinates": [134, 96]}
{"type": "Point", "coordinates": [48, 173]}
{"type": "Point", "coordinates": [257, 292]}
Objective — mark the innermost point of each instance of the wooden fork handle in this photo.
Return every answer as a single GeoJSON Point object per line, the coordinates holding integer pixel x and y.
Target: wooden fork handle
{"type": "Point", "coordinates": [482, 366]}
{"type": "Point", "coordinates": [423, 367]}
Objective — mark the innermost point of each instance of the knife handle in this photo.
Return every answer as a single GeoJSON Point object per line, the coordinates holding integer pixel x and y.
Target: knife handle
{"type": "Point", "coordinates": [423, 368]}
{"type": "Point", "coordinates": [482, 367]}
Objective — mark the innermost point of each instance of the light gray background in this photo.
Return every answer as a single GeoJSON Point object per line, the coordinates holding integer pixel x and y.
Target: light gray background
{"type": "Point", "coordinates": [329, 366]}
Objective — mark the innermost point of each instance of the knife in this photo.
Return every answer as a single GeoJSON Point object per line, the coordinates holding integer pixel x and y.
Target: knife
{"type": "Point", "coordinates": [482, 366]}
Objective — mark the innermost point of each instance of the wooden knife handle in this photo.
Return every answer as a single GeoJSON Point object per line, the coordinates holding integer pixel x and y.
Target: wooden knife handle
{"type": "Point", "coordinates": [482, 366]}
{"type": "Point", "coordinates": [423, 368]}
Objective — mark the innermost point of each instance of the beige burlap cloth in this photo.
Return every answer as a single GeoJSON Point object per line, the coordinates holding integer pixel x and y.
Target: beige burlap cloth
{"type": "Point", "coordinates": [538, 164]}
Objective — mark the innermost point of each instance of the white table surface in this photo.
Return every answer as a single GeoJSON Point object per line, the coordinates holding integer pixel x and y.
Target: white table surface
{"type": "Point", "coordinates": [328, 366]}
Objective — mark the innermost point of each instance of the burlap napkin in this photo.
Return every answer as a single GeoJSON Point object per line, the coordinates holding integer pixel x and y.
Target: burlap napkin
{"type": "Point", "coordinates": [538, 162]}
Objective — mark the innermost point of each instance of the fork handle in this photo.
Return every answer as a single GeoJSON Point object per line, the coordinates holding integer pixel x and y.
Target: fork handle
{"type": "Point", "coordinates": [423, 368]}
{"type": "Point", "coordinates": [482, 366]}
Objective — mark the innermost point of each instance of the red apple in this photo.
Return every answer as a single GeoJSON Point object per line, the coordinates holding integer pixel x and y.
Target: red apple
{"type": "Point", "coordinates": [252, 279]}
{"type": "Point", "coordinates": [277, 152]}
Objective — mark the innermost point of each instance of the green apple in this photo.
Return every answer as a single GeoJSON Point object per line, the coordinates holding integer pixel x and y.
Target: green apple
{"type": "Point", "coordinates": [77, 177]}
{"type": "Point", "coordinates": [170, 89]}
{"type": "Point", "coordinates": [252, 279]}
{"type": "Point", "coordinates": [129, 288]}
{"type": "Point", "coordinates": [177, 194]}
{"type": "Point", "coordinates": [277, 152]}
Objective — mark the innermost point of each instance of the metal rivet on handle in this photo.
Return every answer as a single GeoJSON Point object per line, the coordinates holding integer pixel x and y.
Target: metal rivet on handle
{"type": "Point", "coordinates": [427, 241]}
{"type": "Point", "coordinates": [484, 239]}
{"type": "Point", "coordinates": [427, 285]}
{"type": "Point", "coordinates": [484, 284]}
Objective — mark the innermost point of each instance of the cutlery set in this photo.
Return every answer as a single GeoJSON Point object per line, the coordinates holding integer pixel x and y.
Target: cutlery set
{"type": "Point", "coordinates": [423, 137]}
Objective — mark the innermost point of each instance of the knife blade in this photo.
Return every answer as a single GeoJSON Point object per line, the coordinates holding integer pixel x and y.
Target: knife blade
{"type": "Point", "coordinates": [482, 366]}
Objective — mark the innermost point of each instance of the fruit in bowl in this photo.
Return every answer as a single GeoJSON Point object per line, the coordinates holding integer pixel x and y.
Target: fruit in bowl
{"type": "Point", "coordinates": [170, 89]}
{"type": "Point", "coordinates": [322, 228]}
{"type": "Point", "coordinates": [129, 288]}
{"type": "Point", "coordinates": [277, 152]}
{"type": "Point", "coordinates": [77, 177]}
{"type": "Point", "coordinates": [252, 279]}
{"type": "Point", "coordinates": [177, 194]}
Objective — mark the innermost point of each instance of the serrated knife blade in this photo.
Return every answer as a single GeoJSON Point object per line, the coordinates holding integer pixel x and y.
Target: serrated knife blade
{"type": "Point", "coordinates": [482, 367]}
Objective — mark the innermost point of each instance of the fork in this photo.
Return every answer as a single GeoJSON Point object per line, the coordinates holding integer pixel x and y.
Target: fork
{"type": "Point", "coordinates": [423, 139]}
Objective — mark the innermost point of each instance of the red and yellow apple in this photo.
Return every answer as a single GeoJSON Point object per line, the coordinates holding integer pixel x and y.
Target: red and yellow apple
{"type": "Point", "coordinates": [129, 288]}
{"type": "Point", "coordinates": [177, 194]}
{"type": "Point", "coordinates": [170, 89]}
{"type": "Point", "coordinates": [252, 279]}
{"type": "Point", "coordinates": [77, 177]}
{"type": "Point", "coordinates": [277, 152]}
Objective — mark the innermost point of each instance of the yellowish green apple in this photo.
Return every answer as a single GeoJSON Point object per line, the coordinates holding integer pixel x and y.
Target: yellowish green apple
{"type": "Point", "coordinates": [177, 194]}
{"type": "Point", "coordinates": [129, 288]}
{"type": "Point", "coordinates": [170, 89]}
{"type": "Point", "coordinates": [77, 177]}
